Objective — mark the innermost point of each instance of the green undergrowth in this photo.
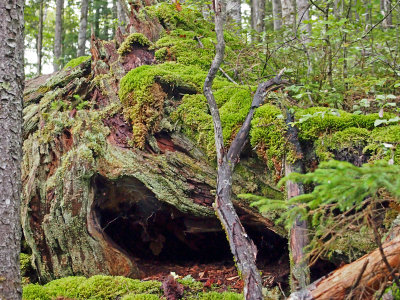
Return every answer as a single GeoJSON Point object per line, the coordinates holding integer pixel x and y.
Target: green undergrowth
{"type": "Point", "coordinates": [77, 61]}
{"type": "Point", "coordinates": [116, 287]}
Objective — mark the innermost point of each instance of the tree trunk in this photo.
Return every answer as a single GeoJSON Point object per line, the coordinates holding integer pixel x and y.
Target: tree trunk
{"type": "Point", "coordinates": [258, 15]}
{"type": "Point", "coordinates": [288, 13]}
{"type": "Point", "coordinates": [233, 9]}
{"type": "Point", "coordinates": [114, 16]}
{"type": "Point", "coordinates": [40, 38]}
{"type": "Point", "coordinates": [303, 14]}
{"type": "Point", "coordinates": [11, 88]}
{"type": "Point", "coordinates": [58, 35]}
{"type": "Point", "coordinates": [386, 6]}
{"type": "Point", "coordinates": [277, 14]}
{"type": "Point", "coordinates": [123, 14]}
{"type": "Point", "coordinates": [298, 238]}
{"type": "Point", "coordinates": [83, 28]}
{"type": "Point", "coordinates": [361, 278]}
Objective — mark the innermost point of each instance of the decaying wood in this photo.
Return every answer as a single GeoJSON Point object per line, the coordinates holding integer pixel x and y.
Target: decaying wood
{"type": "Point", "coordinates": [298, 239]}
{"type": "Point", "coordinates": [242, 247]}
{"type": "Point", "coordinates": [338, 284]}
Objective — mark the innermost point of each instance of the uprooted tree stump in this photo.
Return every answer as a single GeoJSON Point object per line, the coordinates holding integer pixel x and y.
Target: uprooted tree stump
{"type": "Point", "coordinates": [93, 203]}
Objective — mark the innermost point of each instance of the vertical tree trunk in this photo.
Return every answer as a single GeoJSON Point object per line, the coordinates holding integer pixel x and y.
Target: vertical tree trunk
{"type": "Point", "coordinates": [258, 15]}
{"type": "Point", "coordinates": [298, 238]}
{"type": "Point", "coordinates": [97, 19]}
{"type": "Point", "coordinates": [277, 14]}
{"type": "Point", "coordinates": [114, 15]}
{"type": "Point", "coordinates": [39, 45]}
{"type": "Point", "coordinates": [303, 14]}
{"type": "Point", "coordinates": [288, 13]}
{"type": "Point", "coordinates": [123, 14]}
{"type": "Point", "coordinates": [386, 6]}
{"type": "Point", "coordinates": [233, 8]}
{"type": "Point", "coordinates": [11, 89]}
{"type": "Point", "coordinates": [83, 28]}
{"type": "Point", "coordinates": [58, 34]}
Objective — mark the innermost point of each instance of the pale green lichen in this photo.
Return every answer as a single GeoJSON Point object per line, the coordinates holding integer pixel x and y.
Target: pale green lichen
{"type": "Point", "coordinates": [77, 61]}
{"type": "Point", "coordinates": [134, 38]}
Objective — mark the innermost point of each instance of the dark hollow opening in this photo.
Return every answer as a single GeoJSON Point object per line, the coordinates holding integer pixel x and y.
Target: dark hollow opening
{"type": "Point", "coordinates": [153, 231]}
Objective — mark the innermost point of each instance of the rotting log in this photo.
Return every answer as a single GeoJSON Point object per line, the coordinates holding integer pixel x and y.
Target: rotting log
{"type": "Point", "coordinates": [361, 278]}
{"type": "Point", "coordinates": [298, 238]}
{"type": "Point", "coordinates": [94, 204]}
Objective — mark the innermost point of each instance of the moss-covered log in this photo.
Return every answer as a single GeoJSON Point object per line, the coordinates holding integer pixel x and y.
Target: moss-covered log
{"type": "Point", "coordinates": [110, 184]}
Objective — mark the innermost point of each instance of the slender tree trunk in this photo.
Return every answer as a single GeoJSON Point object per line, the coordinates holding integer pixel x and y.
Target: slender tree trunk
{"type": "Point", "coordinates": [233, 9]}
{"type": "Point", "coordinates": [11, 89]}
{"type": "Point", "coordinates": [303, 14]}
{"type": "Point", "coordinates": [367, 13]}
{"type": "Point", "coordinates": [298, 237]}
{"type": "Point", "coordinates": [105, 12]}
{"type": "Point", "coordinates": [386, 6]}
{"type": "Point", "coordinates": [39, 45]}
{"type": "Point", "coordinates": [114, 15]}
{"type": "Point", "coordinates": [288, 13]}
{"type": "Point", "coordinates": [258, 15]}
{"type": "Point", "coordinates": [58, 34]}
{"type": "Point", "coordinates": [123, 14]}
{"type": "Point", "coordinates": [97, 19]}
{"type": "Point", "coordinates": [277, 14]}
{"type": "Point", "coordinates": [83, 28]}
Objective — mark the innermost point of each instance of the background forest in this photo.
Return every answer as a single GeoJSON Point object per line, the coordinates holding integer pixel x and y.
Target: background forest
{"type": "Point", "coordinates": [129, 79]}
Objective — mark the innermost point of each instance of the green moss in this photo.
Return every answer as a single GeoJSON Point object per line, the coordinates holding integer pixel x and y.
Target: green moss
{"type": "Point", "coordinates": [315, 121]}
{"type": "Point", "coordinates": [35, 292]}
{"type": "Point", "coordinates": [220, 296]}
{"type": "Point", "coordinates": [77, 61]}
{"type": "Point", "coordinates": [132, 39]}
{"type": "Point", "coordinates": [95, 287]}
{"type": "Point", "coordinates": [140, 297]}
{"type": "Point", "coordinates": [161, 54]}
{"type": "Point", "coordinates": [384, 143]}
{"type": "Point", "coordinates": [65, 287]}
{"type": "Point", "coordinates": [352, 139]}
{"type": "Point", "coordinates": [268, 134]}
{"type": "Point", "coordinates": [25, 264]}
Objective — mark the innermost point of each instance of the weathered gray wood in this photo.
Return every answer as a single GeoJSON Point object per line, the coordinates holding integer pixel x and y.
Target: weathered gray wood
{"type": "Point", "coordinates": [11, 88]}
{"type": "Point", "coordinates": [58, 34]}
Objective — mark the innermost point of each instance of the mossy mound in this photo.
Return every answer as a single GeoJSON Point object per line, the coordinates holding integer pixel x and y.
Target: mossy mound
{"type": "Point", "coordinates": [77, 61]}
{"type": "Point", "coordinates": [96, 287]}
{"type": "Point", "coordinates": [108, 287]}
{"type": "Point", "coordinates": [134, 38]}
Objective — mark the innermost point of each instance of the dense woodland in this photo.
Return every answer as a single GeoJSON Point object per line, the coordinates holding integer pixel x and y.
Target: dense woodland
{"type": "Point", "coordinates": [200, 150]}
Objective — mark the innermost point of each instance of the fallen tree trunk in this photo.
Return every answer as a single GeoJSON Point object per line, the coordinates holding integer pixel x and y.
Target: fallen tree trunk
{"type": "Point", "coordinates": [361, 278]}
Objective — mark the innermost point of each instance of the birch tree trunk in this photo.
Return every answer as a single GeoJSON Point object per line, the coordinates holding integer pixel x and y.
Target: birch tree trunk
{"type": "Point", "coordinates": [234, 11]}
{"type": "Point", "coordinates": [123, 14]}
{"type": "Point", "coordinates": [258, 15]}
{"type": "Point", "coordinates": [386, 6]}
{"type": "Point", "coordinates": [303, 14]}
{"type": "Point", "coordinates": [83, 28]}
{"type": "Point", "coordinates": [39, 45]}
{"type": "Point", "coordinates": [288, 13]}
{"type": "Point", "coordinates": [58, 34]}
{"type": "Point", "coordinates": [11, 89]}
{"type": "Point", "coordinates": [277, 14]}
